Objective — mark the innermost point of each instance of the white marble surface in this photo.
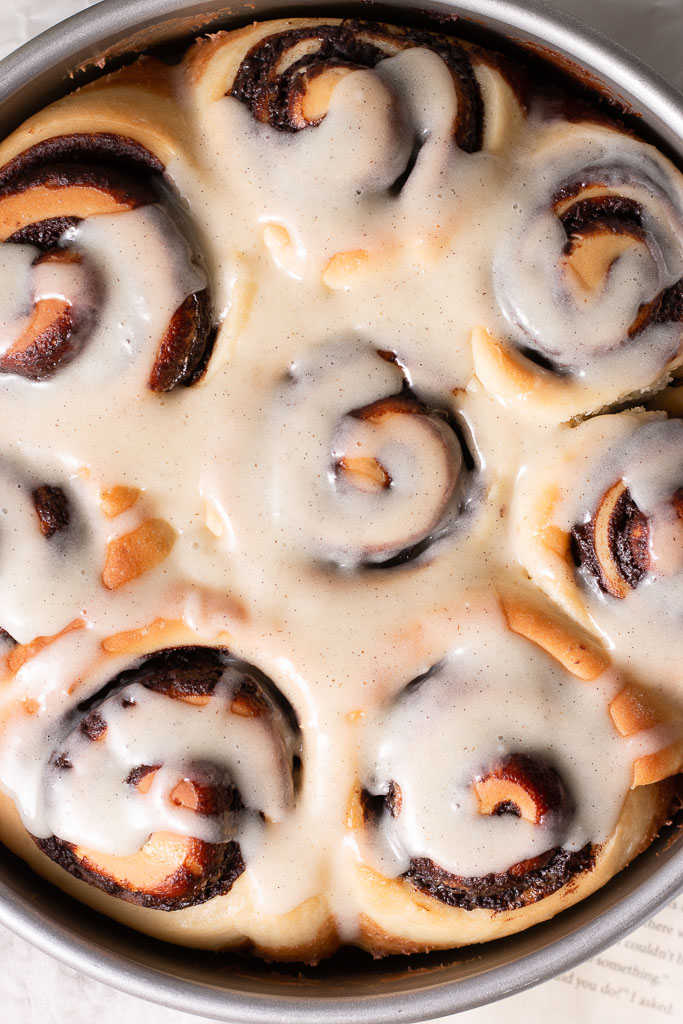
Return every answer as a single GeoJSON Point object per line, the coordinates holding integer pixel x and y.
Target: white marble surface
{"type": "Point", "coordinates": [640, 981]}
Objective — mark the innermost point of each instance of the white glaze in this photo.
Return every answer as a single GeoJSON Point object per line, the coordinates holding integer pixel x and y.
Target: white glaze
{"type": "Point", "coordinates": [495, 695]}
{"type": "Point", "coordinates": [267, 549]}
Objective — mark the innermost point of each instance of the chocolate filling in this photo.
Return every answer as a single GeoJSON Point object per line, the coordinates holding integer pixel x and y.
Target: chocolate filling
{"type": "Point", "coordinates": [249, 701]}
{"type": "Point", "coordinates": [602, 213]}
{"type": "Point", "coordinates": [61, 762]}
{"type": "Point", "coordinates": [191, 672]}
{"type": "Point", "coordinates": [181, 672]}
{"type": "Point", "coordinates": [665, 308]}
{"type": "Point", "coordinates": [93, 726]}
{"type": "Point", "coordinates": [136, 775]}
{"type": "Point", "coordinates": [507, 807]}
{"type": "Point", "coordinates": [186, 347]}
{"type": "Point", "coordinates": [57, 345]}
{"type": "Point", "coordinates": [678, 502]}
{"type": "Point", "coordinates": [6, 638]}
{"type": "Point", "coordinates": [52, 506]}
{"type": "Point", "coordinates": [627, 540]}
{"type": "Point", "coordinates": [44, 234]}
{"type": "Point", "coordinates": [120, 184]}
{"type": "Point", "coordinates": [213, 795]}
{"type": "Point", "coordinates": [537, 778]}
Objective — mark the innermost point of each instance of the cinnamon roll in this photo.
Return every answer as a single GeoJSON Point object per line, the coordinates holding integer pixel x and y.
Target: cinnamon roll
{"type": "Point", "coordinates": [287, 78]}
{"type": "Point", "coordinates": [590, 280]}
{"type": "Point", "coordinates": [286, 72]}
{"type": "Point", "coordinates": [194, 754]}
{"type": "Point", "coordinates": [187, 796]}
{"type": "Point", "coordinates": [471, 809]}
{"type": "Point", "coordinates": [339, 604]}
{"type": "Point", "coordinates": [601, 531]}
{"type": "Point", "coordinates": [67, 202]}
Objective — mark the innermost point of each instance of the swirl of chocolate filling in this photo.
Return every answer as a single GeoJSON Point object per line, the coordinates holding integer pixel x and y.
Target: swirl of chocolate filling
{"type": "Point", "coordinates": [52, 508]}
{"type": "Point", "coordinates": [609, 245]}
{"type": "Point", "coordinates": [392, 476]}
{"type": "Point", "coordinates": [393, 421]}
{"type": "Point", "coordinates": [286, 79]}
{"type": "Point", "coordinates": [24, 493]}
{"type": "Point", "coordinates": [49, 189]}
{"type": "Point", "coordinates": [174, 870]}
{"type": "Point", "coordinates": [521, 786]}
{"type": "Point", "coordinates": [613, 545]}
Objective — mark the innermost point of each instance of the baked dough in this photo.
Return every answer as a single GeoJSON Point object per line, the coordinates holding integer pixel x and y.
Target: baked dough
{"type": "Point", "coordinates": [334, 584]}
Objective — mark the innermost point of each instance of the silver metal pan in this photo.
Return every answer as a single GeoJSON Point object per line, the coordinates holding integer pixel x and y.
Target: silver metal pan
{"type": "Point", "coordinates": [351, 987]}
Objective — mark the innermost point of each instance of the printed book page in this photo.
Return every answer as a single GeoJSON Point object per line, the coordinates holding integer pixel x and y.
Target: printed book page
{"type": "Point", "coordinates": [638, 981]}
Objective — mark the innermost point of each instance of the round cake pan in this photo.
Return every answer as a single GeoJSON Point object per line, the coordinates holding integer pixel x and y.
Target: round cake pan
{"type": "Point", "coordinates": [350, 987]}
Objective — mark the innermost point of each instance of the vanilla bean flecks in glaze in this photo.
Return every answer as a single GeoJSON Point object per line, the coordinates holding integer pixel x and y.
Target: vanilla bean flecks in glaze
{"type": "Point", "coordinates": [44, 546]}
{"type": "Point", "coordinates": [375, 484]}
{"type": "Point", "coordinates": [287, 79]}
{"type": "Point", "coordinates": [335, 500]}
{"type": "Point", "coordinates": [45, 194]}
{"type": "Point", "coordinates": [185, 752]}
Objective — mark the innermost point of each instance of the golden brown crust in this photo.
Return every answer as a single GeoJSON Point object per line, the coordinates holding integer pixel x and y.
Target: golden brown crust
{"type": "Point", "coordinates": [306, 934]}
{"type": "Point", "coordinates": [117, 500]}
{"type": "Point", "coordinates": [634, 709]}
{"type": "Point", "coordinates": [662, 764]}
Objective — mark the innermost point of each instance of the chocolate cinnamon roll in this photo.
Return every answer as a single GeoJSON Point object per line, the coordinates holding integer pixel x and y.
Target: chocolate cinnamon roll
{"type": "Point", "coordinates": [70, 179]}
{"type": "Point", "coordinates": [609, 526]}
{"type": "Point", "coordinates": [185, 751]}
{"type": "Point", "coordinates": [286, 72]}
{"type": "Point", "coordinates": [384, 479]}
{"type": "Point", "coordinates": [471, 801]}
{"type": "Point", "coordinates": [364, 128]}
{"type": "Point", "coordinates": [604, 235]}
{"type": "Point", "coordinates": [287, 78]}
{"type": "Point", "coordinates": [48, 194]}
